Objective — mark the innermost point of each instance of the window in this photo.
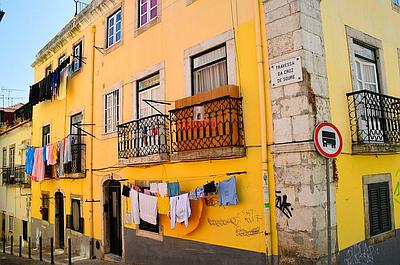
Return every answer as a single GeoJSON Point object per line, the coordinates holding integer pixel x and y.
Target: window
{"type": "Point", "coordinates": [44, 210]}
{"type": "Point", "coordinates": [378, 205]}
{"type": "Point", "coordinates": [76, 121]}
{"type": "Point", "coordinates": [111, 111]}
{"type": "Point", "coordinates": [396, 2]}
{"type": "Point", "coordinates": [25, 230]}
{"type": "Point", "coordinates": [209, 70]}
{"type": "Point", "coordinates": [76, 220]}
{"type": "Point", "coordinates": [48, 70]}
{"type": "Point", "coordinates": [77, 62]}
{"type": "Point", "coordinates": [10, 223]}
{"type": "Point", "coordinates": [366, 68]}
{"type": "Point", "coordinates": [148, 88]}
{"type": "Point", "coordinates": [148, 10]}
{"type": "Point", "coordinates": [4, 157]}
{"type": "Point", "coordinates": [46, 135]}
{"type": "Point", "coordinates": [11, 160]}
{"type": "Point", "coordinates": [114, 28]}
{"type": "Point", "coordinates": [61, 59]}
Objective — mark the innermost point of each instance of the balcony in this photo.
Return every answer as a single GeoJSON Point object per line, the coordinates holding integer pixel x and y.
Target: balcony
{"type": "Point", "coordinates": [15, 175]}
{"type": "Point", "coordinates": [144, 140]}
{"type": "Point", "coordinates": [7, 175]}
{"type": "Point", "coordinates": [208, 125]}
{"type": "Point", "coordinates": [77, 167]}
{"type": "Point", "coordinates": [374, 122]}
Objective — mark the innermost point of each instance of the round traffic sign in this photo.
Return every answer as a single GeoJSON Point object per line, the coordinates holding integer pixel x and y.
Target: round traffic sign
{"type": "Point", "coordinates": [327, 140]}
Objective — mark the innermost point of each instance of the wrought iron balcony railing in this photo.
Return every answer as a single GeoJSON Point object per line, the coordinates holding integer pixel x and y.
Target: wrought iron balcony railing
{"type": "Point", "coordinates": [143, 137]}
{"type": "Point", "coordinates": [20, 176]}
{"type": "Point", "coordinates": [219, 124]}
{"type": "Point", "coordinates": [374, 117]}
{"type": "Point", "coordinates": [78, 163]}
{"type": "Point", "coordinates": [7, 175]}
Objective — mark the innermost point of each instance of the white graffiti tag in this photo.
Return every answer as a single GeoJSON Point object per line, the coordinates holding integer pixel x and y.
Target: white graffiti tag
{"type": "Point", "coordinates": [360, 254]}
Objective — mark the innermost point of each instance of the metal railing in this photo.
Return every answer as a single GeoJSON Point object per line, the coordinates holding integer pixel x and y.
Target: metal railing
{"type": "Point", "coordinates": [80, 5]}
{"type": "Point", "coordinates": [143, 137]}
{"type": "Point", "coordinates": [374, 117]}
{"type": "Point", "coordinates": [220, 124]}
{"type": "Point", "coordinates": [20, 176]}
{"type": "Point", "coordinates": [7, 176]}
{"type": "Point", "coordinates": [78, 163]}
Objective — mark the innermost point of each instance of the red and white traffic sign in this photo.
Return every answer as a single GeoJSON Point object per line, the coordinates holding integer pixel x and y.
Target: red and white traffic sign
{"type": "Point", "coordinates": [327, 140]}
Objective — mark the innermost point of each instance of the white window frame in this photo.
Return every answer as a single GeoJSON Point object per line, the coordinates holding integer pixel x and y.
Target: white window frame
{"type": "Point", "coordinates": [362, 80]}
{"type": "Point", "coordinates": [148, 12]}
{"type": "Point", "coordinates": [228, 38]}
{"type": "Point", "coordinates": [111, 122]}
{"type": "Point", "coordinates": [159, 96]}
{"type": "Point", "coordinates": [77, 58]}
{"type": "Point", "coordinates": [113, 37]}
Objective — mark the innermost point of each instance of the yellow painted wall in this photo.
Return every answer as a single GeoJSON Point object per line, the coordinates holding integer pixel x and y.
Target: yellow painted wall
{"type": "Point", "coordinates": [383, 25]}
{"type": "Point", "coordinates": [13, 198]}
{"type": "Point", "coordinates": [182, 26]}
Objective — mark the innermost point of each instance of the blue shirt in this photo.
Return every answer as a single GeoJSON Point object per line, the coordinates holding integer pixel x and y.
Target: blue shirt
{"type": "Point", "coordinates": [227, 192]}
{"type": "Point", "coordinates": [30, 157]}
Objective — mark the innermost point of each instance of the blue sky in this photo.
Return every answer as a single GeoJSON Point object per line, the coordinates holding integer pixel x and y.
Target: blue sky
{"type": "Point", "coordinates": [26, 27]}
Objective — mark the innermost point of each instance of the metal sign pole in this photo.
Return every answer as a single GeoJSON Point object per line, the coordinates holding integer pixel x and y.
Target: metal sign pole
{"type": "Point", "coordinates": [328, 206]}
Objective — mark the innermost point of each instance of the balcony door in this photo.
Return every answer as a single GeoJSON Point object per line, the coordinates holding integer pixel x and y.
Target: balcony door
{"type": "Point", "coordinates": [369, 112]}
{"type": "Point", "coordinates": [76, 143]}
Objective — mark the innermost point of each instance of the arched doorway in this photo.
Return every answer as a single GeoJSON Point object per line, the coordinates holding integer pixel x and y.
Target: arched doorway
{"type": "Point", "coordinates": [112, 217]}
{"type": "Point", "coordinates": [59, 219]}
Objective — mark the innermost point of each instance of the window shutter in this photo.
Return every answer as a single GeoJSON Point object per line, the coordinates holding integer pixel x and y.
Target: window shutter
{"type": "Point", "coordinates": [379, 208]}
{"type": "Point", "coordinates": [81, 224]}
{"type": "Point", "coordinates": [69, 221]}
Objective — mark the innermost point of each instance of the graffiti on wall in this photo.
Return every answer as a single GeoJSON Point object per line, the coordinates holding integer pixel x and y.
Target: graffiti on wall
{"type": "Point", "coordinates": [246, 223]}
{"type": "Point", "coordinates": [360, 254]}
{"type": "Point", "coordinates": [283, 204]}
{"type": "Point", "coordinates": [397, 192]}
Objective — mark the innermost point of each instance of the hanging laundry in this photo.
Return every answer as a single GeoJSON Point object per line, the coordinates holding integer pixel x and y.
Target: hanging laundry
{"type": "Point", "coordinates": [173, 189]}
{"type": "Point", "coordinates": [29, 160]}
{"type": "Point", "coordinates": [67, 150]}
{"type": "Point", "coordinates": [153, 188]}
{"type": "Point", "coordinates": [134, 195]}
{"type": "Point", "coordinates": [163, 205]}
{"type": "Point", "coordinates": [38, 165]}
{"type": "Point", "coordinates": [210, 188]}
{"type": "Point", "coordinates": [60, 164]}
{"type": "Point", "coordinates": [180, 209]}
{"type": "Point", "coordinates": [146, 191]}
{"type": "Point", "coordinates": [148, 208]}
{"type": "Point", "coordinates": [50, 155]}
{"type": "Point", "coordinates": [55, 155]}
{"type": "Point", "coordinates": [125, 191]}
{"type": "Point", "coordinates": [163, 189]}
{"type": "Point", "coordinates": [44, 153]}
{"type": "Point", "coordinates": [197, 193]}
{"type": "Point", "coordinates": [227, 192]}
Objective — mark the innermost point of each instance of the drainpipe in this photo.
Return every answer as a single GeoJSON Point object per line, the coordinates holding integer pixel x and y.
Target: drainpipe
{"type": "Point", "coordinates": [91, 142]}
{"type": "Point", "coordinates": [266, 158]}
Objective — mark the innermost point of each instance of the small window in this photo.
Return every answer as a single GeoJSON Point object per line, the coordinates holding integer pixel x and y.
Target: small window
{"type": "Point", "coordinates": [148, 88]}
{"type": "Point", "coordinates": [25, 230]}
{"type": "Point", "coordinates": [4, 157]}
{"type": "Point", "coordinates": [10, 223]}
{"type": "Point", "coordinates": [11, 161]}
{"type": "Point", "coordinates": [61, 59]}
{"type": "Point", "coordinates": [76, 219]}
{"type": "Point", "coordinates": [114, 32]}
{"type": "Point", "coordinates": [45, 135]}
{"type": "Point", "coordinates": [77, 62]}
{"type": "Point", "coordinates": [209, 70]}
{"type": "Point", "coordinates": [48, 70]}
{"type": "Point", "coordinates": [111, 111]}
{"type": "Point", "coordinates": [379, 208]}
{"type": "Point", "coordinates": [44, 210]}
{"type": "Point", "coordinates": [148, 10]}
{"type": "Point", "coordinates": [366, 68]}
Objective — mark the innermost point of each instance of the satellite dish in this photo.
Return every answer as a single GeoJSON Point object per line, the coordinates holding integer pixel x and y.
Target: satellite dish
{"type": "Point", "coordinates": [1, 14]}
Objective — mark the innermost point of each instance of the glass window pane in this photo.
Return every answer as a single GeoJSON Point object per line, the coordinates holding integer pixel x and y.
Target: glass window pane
{"type": "Point", "coordinates": [144, 8]}
{"type": "Point", "coordinates": [153, 3]}
{"type": "Point", "coordinates": [111, 21]}
{"type": "Point", "coordinates": [118, 26]}
{"type": "Point", "coordinates": [143, 19]}
{"type": "Point", "coordinates": [118, 36]}
{"type": "Point", "coordinates": [119, 16]}
{"type": "Point", "coordinates": [153, 13]}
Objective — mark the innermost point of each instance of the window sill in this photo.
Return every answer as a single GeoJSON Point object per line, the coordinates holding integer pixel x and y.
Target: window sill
{"type": "Point", "coordinates": [113, 47]}
{"type": "Point", "coordinates": [189, 2]}
{"type": "Point", "coordinates": [362, 148]}
{"type": "Point", "coordinates": [150, 235]}
{"type": "Point", "coordinates": [143, 28]}
{"type": "Point", "coordinates": [109, 135]}
{"type": "Point", "coordinates": [381, 237]}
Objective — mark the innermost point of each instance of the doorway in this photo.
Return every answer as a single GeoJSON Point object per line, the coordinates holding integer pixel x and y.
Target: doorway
{"type": "Point", "coordinates": [59, 220]}
{"type": "Point", "coordinates": [112, 215]}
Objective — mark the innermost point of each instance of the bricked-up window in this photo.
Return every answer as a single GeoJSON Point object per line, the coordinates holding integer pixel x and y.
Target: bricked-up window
{"type": "Point", "coordinates": [379, 208]}
{"type": "Point", "coordinates": [114, 26]}
{"type": "Point", "coordinates": [75, 221]}
{"type": "Point", "coordinates": [112, 111]}
{"type": "Point", "coordinates": [209, 70]}
{"type": "Point", "coordinates": [44, 210]}
{"type": "Point", "coordinates": [147, 11]}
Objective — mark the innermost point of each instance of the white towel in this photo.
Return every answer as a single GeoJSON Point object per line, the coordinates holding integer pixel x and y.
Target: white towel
{"type": "Point", "coordinates": [148, 208]}
{"type": "Point", "coordinates": [163, 189]}
{"type": "Point", "coordinates": [154, 188]}
{"type": "Point", "coordinates": [180, 209]}
{"type": "Point", "coordinates": [134, 206]}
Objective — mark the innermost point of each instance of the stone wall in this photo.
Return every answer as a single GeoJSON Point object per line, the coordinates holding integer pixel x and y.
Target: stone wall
{"type": "Point", "coordinates": [294, 28]}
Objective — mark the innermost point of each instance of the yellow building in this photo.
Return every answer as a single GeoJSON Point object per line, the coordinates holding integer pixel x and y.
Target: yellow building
{"type": "Point", "coordinates": [15, 136]}
{"type": "Point", "coordinates": [200, 65]}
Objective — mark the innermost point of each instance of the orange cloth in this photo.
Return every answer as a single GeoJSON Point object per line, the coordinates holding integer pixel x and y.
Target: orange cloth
{"type": "Point", "coordinates": [163, 205]}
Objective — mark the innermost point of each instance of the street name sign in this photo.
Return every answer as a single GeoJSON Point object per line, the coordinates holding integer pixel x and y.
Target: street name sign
{"type": "Point", "coordinates": [286, 72]}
